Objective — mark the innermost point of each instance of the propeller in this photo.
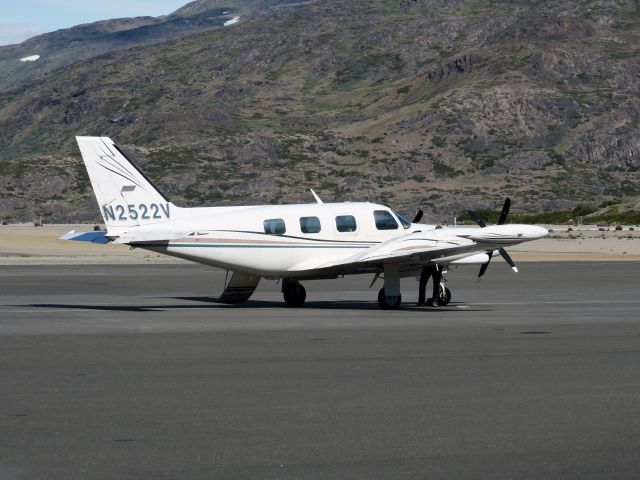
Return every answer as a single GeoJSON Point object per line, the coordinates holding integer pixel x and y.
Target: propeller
{"type": "Point", "coordinates": [505, 211]}
{"type": "Point", "coordinates": [503, 217]}
{"type": "Point", "coordinates": [484, 266]}
{"type": "Point", "coordinates": [418, 216]}
{"type": "Point", "coordinates": [508, 259]}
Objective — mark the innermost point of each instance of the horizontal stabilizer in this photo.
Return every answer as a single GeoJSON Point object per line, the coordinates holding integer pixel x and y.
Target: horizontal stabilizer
{"type": "Point", "coordinates": [91, 237]}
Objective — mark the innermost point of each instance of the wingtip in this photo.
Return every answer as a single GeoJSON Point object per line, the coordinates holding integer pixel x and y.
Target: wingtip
{"type": "Point", "coordinates": [67, 235]}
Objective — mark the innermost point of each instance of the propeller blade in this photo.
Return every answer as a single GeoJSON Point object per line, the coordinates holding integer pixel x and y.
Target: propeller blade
{"type": "Point", "coordinates": [418, 216]}
{"type": "Point", "coordinates": [503, 217]}
{"type": "Point", "coordinates": [476, 218]}
{"type": "Point", "coordinates": [505, 211]}
{"type": "Point", "coordinates": [507, 259]}
{"type": "Point", "coordinates": [484, 266]}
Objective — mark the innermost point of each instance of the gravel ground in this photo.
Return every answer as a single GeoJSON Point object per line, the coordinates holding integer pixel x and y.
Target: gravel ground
{"type": "Point", "coordinates": [28, 245]}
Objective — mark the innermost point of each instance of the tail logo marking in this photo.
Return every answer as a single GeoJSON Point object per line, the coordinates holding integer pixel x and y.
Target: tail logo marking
{"type": "Point", "coordinates": [121, 213]}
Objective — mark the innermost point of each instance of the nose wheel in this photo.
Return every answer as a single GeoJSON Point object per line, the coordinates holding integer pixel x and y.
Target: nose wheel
{"type": "Point", "coordinates": [444, 296]}
{"type": "Point", "coordinates": [388, 302]}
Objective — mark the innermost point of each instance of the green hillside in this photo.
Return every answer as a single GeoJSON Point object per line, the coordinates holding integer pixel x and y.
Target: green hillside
{"type": "Point", "coordinates": [439, 105]}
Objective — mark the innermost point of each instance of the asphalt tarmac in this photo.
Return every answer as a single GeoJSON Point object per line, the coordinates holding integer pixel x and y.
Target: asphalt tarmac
{"type": "Point", "coordinates": [133, 372]}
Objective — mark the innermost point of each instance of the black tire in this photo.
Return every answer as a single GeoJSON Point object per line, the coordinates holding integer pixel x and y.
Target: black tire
{"type": "Point", "coordinates": [294, 294]}
{"type": "Point", "coordinates": [445, 297]}
{"type": "Point", "coordinates": [388, 303]}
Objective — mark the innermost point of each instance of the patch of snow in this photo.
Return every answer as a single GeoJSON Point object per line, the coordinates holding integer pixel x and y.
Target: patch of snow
{"type": "Point", "coordinates": [31, 58]}
{"type": "Point", "coordinates": [232, 21]}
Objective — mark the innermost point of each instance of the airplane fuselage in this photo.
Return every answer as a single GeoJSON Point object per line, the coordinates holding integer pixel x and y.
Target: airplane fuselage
{"type": "Point", "coordinates": [295, 240]}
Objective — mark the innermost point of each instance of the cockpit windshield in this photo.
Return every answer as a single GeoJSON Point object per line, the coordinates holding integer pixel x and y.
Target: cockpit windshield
{"type": "Point", "coordinates": [405, 223]}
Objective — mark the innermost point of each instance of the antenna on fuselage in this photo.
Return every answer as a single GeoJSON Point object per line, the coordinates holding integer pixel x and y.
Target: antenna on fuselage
{"type": "Point", "coordinates": [315, 195]}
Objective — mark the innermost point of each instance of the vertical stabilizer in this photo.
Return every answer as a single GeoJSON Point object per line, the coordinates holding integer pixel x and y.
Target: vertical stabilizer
{"type": "Point", "coordinates": [125, 196]}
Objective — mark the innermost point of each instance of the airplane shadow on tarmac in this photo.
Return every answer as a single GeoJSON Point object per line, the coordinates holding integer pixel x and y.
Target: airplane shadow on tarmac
{"type": "Point", "coordinates": [332, 305]}
{"type": "Point", "coordinates": [210, 303]}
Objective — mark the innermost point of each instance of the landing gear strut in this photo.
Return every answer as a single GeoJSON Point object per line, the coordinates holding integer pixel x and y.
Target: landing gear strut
{"type": "Point", "coordinates": [389, 297]}
{"type": "Point", "coordinates": [294, 293]}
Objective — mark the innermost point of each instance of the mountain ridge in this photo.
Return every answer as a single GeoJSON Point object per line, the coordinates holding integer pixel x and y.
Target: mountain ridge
{"type": "Point", "coordinates": [431, 104]}
{"type": "Point", "coordinates": [85, 41]}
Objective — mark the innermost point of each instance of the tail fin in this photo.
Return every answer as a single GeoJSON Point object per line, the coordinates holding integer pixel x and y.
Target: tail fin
{"type": "Point", "coordinates": [125, 196]}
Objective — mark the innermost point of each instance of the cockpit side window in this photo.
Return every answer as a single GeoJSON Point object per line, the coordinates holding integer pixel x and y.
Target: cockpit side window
{"type": "Point", "coordinates": [309, 224]}
{"type": "Point", "coordinates": [384, 220]}
{"type": "Point", "coordinates": [346, 223]}
{"type": "Point", "coordinates": [274, 226]}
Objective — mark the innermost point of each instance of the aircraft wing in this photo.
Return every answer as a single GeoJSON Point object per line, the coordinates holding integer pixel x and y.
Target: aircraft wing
{"type": "Point", "coordinates": [411, 249]}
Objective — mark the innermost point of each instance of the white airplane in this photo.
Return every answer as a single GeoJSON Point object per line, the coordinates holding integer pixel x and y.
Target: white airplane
{"type": "Point", "coordinates": [288, 242]}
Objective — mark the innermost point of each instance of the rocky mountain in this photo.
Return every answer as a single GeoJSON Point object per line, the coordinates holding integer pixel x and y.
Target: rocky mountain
{"type": "Point", "coordinates": [64, 47]}
{"type": "Point", "coordinates": [431, 103]}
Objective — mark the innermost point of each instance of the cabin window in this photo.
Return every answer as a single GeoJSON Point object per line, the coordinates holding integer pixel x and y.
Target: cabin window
{"type": "Point", "coordinates": [384, 220]}
{"type": "Point", "coordinates": [274, 226]}
{"type": "Point", "coordinates": [346, 223]}
{"type": "Point", "coordinates": [309, 224]}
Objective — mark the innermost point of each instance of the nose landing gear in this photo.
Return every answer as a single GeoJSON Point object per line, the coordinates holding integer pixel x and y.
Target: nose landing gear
{"type": "Point", "coordinates": [444, 294]}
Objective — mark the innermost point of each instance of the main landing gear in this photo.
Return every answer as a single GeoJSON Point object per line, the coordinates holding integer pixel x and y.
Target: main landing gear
{"type": "Point", "coordinates": [389, 297]}
{"type": "Point", "coordinates": [388, 302]}
{"type": "Point", "coordinates": [294, 293]}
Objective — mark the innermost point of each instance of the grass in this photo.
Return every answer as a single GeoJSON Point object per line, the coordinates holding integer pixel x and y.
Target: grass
{"type": "Point", "coordinates": [444, 169]}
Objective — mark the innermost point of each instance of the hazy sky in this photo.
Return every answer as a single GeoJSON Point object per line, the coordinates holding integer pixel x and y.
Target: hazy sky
{"type": "Point", "coordinates": [21, 19]}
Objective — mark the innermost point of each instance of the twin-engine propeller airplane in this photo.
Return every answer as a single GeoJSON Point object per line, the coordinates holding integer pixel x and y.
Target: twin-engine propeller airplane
{"type": "Point", "coordinates": [288, 242]}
